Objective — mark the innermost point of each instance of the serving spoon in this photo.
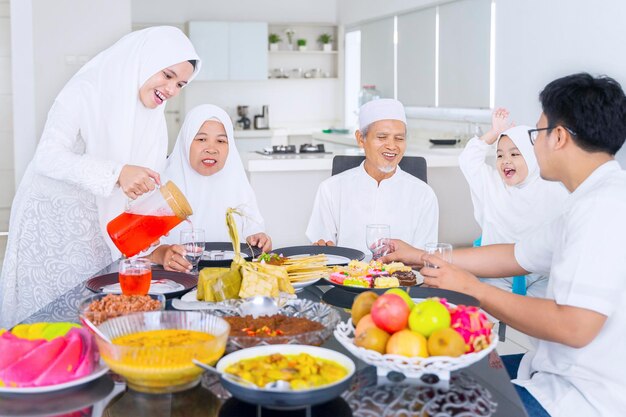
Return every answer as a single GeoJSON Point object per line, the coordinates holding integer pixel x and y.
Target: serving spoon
{"type": "Point", "coordinates": [94, 329]}
{"type": "Point", "coordinates": [279, 385]}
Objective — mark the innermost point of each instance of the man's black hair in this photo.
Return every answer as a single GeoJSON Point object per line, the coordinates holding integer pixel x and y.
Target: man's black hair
{"type": "Point", "coordinates": [593, 108]}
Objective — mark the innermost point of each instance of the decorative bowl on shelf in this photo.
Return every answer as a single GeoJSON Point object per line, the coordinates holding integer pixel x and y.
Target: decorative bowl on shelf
{"type": "Point", "coordinates": [154, 351]}
{"type": "Point", "coordinates": [323, 314]}
{"type": "Point", "coordinates": [411, 367]}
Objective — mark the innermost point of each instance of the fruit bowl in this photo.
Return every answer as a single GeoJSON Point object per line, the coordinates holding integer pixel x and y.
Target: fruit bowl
{"type": "Point", "coordinates": [162, 362]}
{"type": "Point", "coordinates": [411, 367]}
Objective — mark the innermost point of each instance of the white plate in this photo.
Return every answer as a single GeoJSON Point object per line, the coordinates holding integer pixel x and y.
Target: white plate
{"type": "Point", "coordinates": [218, 255]}
{"type": "Point", "coordinates": [157, 286]}
{"type": "Point", "coordinates": [330, 259]}
{"type": "Point", "coordinates": [97, 373]}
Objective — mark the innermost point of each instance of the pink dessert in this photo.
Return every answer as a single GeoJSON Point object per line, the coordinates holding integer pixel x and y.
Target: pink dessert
{"type": "Point", "coordinates": [338, 277]}
{"type": "Point", "coordinates": [35, 362]}
{"type": "Point", "coordinates": [473, 325]}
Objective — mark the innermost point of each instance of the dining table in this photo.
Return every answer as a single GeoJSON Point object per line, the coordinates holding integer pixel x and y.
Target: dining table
{"type": "Point", "coordinates": [481, 389]}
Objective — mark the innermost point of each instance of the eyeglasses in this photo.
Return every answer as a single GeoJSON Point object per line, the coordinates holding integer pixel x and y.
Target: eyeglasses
{"type": "Point", "coordinates": [534, 133]}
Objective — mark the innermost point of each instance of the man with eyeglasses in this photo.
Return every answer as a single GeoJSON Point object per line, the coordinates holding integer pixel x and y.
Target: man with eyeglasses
{"type": "Point", "coordinates": [578, 366]}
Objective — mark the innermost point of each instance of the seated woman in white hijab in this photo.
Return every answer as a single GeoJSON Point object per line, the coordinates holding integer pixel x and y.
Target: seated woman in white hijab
{"type": "Point", "coordinates": [377, 191]}
{"type": "Point", "coordinates": [510, 199]}
{"type": "Point", "coordinates": [105, 140]}
{"type": "Point", "coordinates": [206, 166]}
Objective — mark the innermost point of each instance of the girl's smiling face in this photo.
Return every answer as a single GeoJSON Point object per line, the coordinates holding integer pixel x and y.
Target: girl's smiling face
{"type": "Point", "coordinates": [209, 148]}
{"type": "Point", "coordinates": [510, 163]}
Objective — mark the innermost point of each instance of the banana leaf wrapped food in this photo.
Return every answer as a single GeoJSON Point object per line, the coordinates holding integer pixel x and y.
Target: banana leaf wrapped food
{"type": "Point", "coordinates": [243, 279]}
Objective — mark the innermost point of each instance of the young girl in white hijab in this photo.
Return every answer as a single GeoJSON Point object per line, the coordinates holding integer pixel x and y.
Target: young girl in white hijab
{"type": "Point", "coordinates": [510, 199]}
{"type": "Point", "coordinates": [105, 140]}
{"type": "Point", "coordinates": [206, 166]}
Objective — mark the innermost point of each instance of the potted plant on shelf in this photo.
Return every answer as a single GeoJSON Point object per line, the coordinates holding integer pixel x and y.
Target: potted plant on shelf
{"type": "Point", "coordinates": [274, 39]}
{"type": "Point", "coordinates": [326, 40]}
{"type": "Point", "coordinates": [289, 32]}
{"type": "Point", "coordinates": [301, 44]}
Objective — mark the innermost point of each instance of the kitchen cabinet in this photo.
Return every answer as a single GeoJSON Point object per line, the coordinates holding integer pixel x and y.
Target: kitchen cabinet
{"type": "Point", "coordinates": [289, 62]}
{"type": "Point", "coordinates": [230, 50]}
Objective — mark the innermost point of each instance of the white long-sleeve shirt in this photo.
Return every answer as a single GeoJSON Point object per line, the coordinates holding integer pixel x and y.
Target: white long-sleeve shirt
{"type": "Point", "coordinates": [346, 203]}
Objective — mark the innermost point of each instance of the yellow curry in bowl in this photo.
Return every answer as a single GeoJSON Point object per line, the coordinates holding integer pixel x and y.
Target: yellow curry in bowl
{"type": "Point", "coordinates": [302, 371]}
{"type": "Point", "coordinates": [154, 350]}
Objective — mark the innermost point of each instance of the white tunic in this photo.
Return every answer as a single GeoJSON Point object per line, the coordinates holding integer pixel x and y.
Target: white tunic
{"type": "Point", "coordinates": [504, 213]}
{"type": "Point", "coordinates": [96, 125]}
{"type": "Point", "coordinates": [583, 251]}
{"type": "Point", "coordinates": [346, 203]}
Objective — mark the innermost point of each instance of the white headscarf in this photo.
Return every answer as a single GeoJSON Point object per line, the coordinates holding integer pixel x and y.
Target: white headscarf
{"type": "Point", "coordinates": [211, 195]}
{"type": "Point", "coordinates": [115, 125]}
{"type": "Point", "coordinates": [506, 213]}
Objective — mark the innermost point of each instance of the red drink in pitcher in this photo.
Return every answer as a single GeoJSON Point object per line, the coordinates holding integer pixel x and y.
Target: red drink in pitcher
{"type": "Point", "coordinates": [149, 219]}
{"type": "Point", "coordinates": [133, 233]}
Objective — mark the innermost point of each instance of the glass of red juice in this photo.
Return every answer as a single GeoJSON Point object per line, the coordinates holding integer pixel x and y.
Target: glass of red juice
{"type": "Point", "coordinates": [135, 276]}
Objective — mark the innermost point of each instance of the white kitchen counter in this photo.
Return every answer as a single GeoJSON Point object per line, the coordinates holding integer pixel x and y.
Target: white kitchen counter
{"type": "Point", "coordinates": [285, 186]}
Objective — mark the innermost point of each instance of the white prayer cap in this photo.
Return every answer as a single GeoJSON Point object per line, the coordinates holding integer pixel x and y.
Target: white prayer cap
{"type": "Point", "coordinates": [381, 109]}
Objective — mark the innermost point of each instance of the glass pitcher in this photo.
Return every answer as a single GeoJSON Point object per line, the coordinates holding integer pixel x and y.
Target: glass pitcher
{"type": "Point", "coordinates": [148, 219]}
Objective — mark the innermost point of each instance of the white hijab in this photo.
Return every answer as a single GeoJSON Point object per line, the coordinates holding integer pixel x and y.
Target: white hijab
{"type": "Point", "coordinates": [505, 213]}
{"type": "Point", "coordinates": [114, 124]}
{"type": "Point", "coordinates": [211, 195]}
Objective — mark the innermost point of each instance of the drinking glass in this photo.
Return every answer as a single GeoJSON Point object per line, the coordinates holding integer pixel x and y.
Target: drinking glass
{"type": "Point", "coordinates": [377, 239]}
{"type": "Point", "coordinates": [193, 242]}
{"type": "Point", "coordinates": [135, 275]}
{"type": "Point", "coordinates": [441, 250]}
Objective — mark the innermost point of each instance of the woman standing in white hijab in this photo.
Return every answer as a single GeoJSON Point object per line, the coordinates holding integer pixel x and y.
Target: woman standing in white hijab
{"type": "Point", "coordinates": [105, 140]}
{"type": "Point", "coordinates": [206, 166]}
{"type": "Point", "coordinates": [510, 199]}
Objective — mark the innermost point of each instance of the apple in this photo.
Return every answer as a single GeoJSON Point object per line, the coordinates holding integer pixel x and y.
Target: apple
{"type": "Point", "coordinates": [365, 323]}
{"type": "Point", "coordinates": [390, 313]}
{"type": "Point", "coordinates": [446, 342]}
{"type": "Point", "coordinates": [372, 338]}
{"type": "Point", "coordinates": [405, 296]}
{"type": "Point", "coordinates": [362, 305]}
{"type": "Point", "coordinates": [428, 316]}
{"type": "Point", "coordinates": [407, 343]}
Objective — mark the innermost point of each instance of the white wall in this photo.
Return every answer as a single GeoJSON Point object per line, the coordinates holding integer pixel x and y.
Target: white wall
{"type": "Point", "coordinates": [50, 42]}
{"type": "Point", "coordinates": [566, 36]}
{"type": "Point", "coordinates": [292, 103]}
{"type": "Point", "coordinates": [180, 11]}
{"type": "Point", "coordinates": [351, 12]}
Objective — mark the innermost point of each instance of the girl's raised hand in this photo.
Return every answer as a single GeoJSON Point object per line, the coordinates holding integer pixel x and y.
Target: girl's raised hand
{"type": "Point", "coordinates": [499, 123]}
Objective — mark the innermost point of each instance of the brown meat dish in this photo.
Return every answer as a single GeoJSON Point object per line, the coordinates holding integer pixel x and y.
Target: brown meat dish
{"type": "Point", "coordinates": [114, 305]}
{"type": "Point", "coordinates": [270, 326]}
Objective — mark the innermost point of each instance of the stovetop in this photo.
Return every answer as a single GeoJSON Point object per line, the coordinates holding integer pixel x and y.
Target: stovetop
{"type": "Point", "coordinates": [291, 149]}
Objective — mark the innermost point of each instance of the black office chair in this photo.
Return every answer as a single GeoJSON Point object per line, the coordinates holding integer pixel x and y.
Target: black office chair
{"type": "Point", "coordinates": [414, 165]}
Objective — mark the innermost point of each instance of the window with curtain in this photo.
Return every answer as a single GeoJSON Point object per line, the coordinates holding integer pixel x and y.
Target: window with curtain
{"type": "Point", "coordinates": [377, 55]}
{"type": "Point", "coordinates": [443, 55]}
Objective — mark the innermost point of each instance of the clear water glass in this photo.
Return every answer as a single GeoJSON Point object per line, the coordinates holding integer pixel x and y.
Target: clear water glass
{"type": "Point", "coordinates": [377, 238]}
{"type": "Point", "coordinates": [441, 250]}
{"type": "Point", "coordinates": [193, 242]}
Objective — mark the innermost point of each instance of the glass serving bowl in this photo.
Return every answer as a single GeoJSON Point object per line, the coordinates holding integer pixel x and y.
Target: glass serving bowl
{"type": "Point", "coordinates": [324, 314]}
{"type": "Point", "coordinates": [114, 310]}
{"type": "Point", "coordinates": [167, 367]}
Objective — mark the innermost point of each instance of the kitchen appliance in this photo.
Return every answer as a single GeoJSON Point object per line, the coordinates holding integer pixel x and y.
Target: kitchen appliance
{"type": "Point", "coordinates": [262, 121]}
{"type": "Point", "coordinates": [310, 148]}
{"type": "Point", "coordinates": [244, 121]}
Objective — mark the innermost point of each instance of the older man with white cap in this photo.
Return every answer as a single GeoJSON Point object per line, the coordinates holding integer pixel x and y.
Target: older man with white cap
{"type": "Point", "coordinates": [377, 191]}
